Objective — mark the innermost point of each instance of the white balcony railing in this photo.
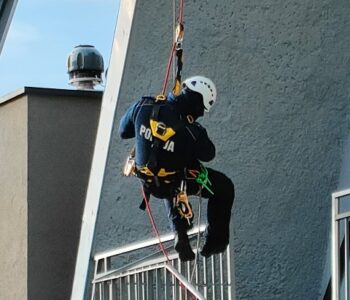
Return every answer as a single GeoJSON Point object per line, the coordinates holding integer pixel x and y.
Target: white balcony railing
{"type": "Point", "coordinates": [136, 272]}
{"type": "Point", "coordinates": [340, 245]}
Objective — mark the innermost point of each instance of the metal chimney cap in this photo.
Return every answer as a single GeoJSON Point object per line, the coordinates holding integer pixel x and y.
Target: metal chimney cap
{"type": "Point", "coordinates": [85, 67]}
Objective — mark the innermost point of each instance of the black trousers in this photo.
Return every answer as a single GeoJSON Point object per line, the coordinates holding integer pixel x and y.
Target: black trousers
{"type": "Point", "coordinates": [218, 209]}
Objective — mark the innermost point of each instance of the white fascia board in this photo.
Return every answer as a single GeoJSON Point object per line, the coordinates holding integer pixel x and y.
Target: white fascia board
{"type": "Point", "coordinates": [107, 114]}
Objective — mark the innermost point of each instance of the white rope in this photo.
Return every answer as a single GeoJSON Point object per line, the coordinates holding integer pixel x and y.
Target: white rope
{"type": "Point", "coordinates": [198, 235]}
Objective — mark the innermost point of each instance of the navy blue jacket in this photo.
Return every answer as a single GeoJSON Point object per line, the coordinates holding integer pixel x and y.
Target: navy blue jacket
{"type": "Point", "coordinates": [186, 148]}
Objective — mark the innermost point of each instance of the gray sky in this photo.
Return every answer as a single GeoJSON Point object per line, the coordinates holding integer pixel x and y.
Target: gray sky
{"type": "Point", "coordinates": [43, 33]}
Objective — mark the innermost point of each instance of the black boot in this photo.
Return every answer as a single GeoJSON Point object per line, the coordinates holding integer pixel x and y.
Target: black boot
{"type": "Point", "coordinates": [216, 241]}
{"type": "Point", "coordinates": [183, 247]}
{"type": "Point", "coordinates": [211, 247]}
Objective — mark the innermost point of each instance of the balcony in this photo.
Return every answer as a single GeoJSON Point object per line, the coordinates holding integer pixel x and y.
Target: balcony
{"type": "Point", "coordinates": [126, 273]}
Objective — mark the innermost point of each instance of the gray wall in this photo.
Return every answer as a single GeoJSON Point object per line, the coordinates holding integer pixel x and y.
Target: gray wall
{"type": "Point", "coordinates": [61, 137]}
{"type": "Point", "coordinates": [13, 199]}
{"type": "Point", "coordinates": [47, 142]}
{"type": "Point", "coordinates": [280, 125]}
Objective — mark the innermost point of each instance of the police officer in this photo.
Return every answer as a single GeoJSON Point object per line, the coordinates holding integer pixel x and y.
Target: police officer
{"type": "Point", "coordinates": [170, 145]}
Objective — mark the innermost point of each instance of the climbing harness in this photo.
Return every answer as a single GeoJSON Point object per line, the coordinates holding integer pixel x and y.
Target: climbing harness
{"type": "Point", "coordinates": [161, 134]}
{"type": "Point", "coordinates": [157, 128]}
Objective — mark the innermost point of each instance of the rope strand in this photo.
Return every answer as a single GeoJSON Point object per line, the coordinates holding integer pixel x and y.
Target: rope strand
{"type": "Point", "coordinates": [170, 61]}
{"type": "Point", "coordinates": [164, 88]}
{"type": "Point", "coordinates": [198, 234]}
{"type": "Point", "coordinates": [171, 56]}
{"type": "Point", "coordinates": [155, 229]}
{"type": "Point", "coordinates": [156, 232]}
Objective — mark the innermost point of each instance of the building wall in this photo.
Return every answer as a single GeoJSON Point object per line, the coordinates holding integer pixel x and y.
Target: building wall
{"type": "Point", "coordinates": [280, 126]}
{"type": "Point", "coordinates": [61, 136]}
{"type": "Point", "coordinates": [13, 199]}
{"type": "Point", "coordinates": [47, 139]}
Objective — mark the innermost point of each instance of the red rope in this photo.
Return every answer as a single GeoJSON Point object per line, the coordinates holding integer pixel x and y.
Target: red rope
{"type": "Point", "coordinates": [155, 229]}
{"type": "Point", "coordinates": [167, 73]}
{"type": "Point", "coordinates": [171, 56]}
{"type": "Point", "coordinates": [165, 84]}
{"type": "Point", "coordinates": [181, 11]}
{"type": "Point", "coordinates": [156, 232]}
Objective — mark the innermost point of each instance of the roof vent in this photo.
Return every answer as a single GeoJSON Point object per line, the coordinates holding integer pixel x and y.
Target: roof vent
{"type": "Point", "coordinates": [85, 67]}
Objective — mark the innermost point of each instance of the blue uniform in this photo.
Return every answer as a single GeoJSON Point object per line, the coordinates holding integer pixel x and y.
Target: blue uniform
{"type": "Point", "coordinates": [189, 145]}
{"type": "Point", "coordinates": [186, 149]}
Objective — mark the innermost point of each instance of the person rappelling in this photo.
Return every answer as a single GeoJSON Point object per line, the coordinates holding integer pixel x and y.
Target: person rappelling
{"type": "Point", "coordinates": [170, 146]}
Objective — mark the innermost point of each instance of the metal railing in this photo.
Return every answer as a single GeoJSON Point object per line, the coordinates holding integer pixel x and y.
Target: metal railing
{"type": "Point", "coordinates": [135, 272]}
{"type": "Point", "coordinates": [340, 245]}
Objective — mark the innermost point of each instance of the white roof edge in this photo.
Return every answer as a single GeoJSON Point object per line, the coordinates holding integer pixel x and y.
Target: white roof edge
{"type": "Point", "coordinates": [12, 95]}
{"type": "Point", "coordinates": [26, 89]}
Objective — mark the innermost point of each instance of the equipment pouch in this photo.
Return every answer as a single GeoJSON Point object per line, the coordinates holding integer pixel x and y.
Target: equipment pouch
{"type": "Point", "coordinates": [129, 167]}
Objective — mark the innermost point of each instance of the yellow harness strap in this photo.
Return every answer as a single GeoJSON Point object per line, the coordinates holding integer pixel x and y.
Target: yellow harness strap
{"type": "Point", "coordinates": [161, 173]}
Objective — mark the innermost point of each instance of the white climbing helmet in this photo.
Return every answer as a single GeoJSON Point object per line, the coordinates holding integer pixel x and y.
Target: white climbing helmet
{"type": "Point", "coordinates": [203, 86]}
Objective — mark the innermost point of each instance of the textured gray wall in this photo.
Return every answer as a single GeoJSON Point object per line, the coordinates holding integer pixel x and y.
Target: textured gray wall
{"type": "Point", "coordinates": [61, 136]}
{"type": "Point", "coordinates": [13, 200]}
{"type": "Point", "coordinates": [280, 125]}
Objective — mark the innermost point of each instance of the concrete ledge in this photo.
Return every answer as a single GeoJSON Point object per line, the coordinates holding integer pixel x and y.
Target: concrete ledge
{"type": "Point", "coordinates": [47, 92]}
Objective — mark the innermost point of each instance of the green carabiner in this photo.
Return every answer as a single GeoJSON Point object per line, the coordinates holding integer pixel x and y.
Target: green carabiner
{"type": "Point", "coordinates": [203, 179]}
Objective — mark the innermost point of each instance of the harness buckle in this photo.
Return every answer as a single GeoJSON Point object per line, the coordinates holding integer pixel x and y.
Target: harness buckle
{"type": "Point", "coordinates": [161, 128]}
